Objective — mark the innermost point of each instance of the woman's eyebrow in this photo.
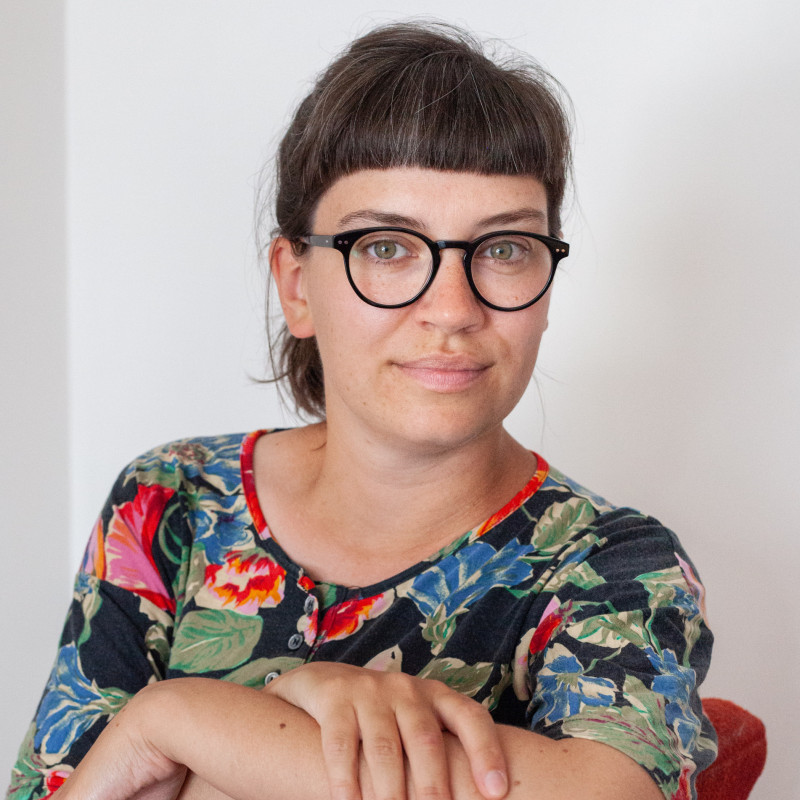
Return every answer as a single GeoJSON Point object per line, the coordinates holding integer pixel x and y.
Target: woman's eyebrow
{"type": "Point", "coordinates": [369, 215]}
{"type": "Point", "coordinates": [504, 218]}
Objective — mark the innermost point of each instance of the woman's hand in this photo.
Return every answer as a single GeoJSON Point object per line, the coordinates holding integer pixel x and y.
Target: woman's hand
{"type": "Point", "coordinates": [123, 764]}
{"type": "Point", "coordinates": [390, 719]}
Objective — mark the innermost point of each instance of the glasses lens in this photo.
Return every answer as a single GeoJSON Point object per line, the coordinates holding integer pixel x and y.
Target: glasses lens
{"type": "Point", "coordinates": [511, 270]}
{"type": "Point", "coordinates": [390, 267]}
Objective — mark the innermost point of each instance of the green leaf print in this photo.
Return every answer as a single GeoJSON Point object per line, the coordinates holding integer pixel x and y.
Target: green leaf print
{"type": "Point", "coordinates": [559, 524]}
{"type": "Point", "coordinates": [253, 673]}
{"type": "Point", "coordinates": [438, 629]}
{"type": "Point", "coordinates": [156, 472]}
{"type": "Point", "coordinates": [661, 585]}
{"type": "Point", "coordinates": [639, 730]}
{"type": "Point", "coordinates": [467, 679]}
{"type": "Point", "coordinates": [169, 537]}
{"type": "Point", "coordinates": [582, 575]}
{"type": "Point", "coordinates": [196, 574]}
{"type": "Point", "coordinates": [326, 593]}
{"type": "Point", "coordinates": [27, 772]}
{"type": "Point", "coordinates": [90, 600]}
{"type": "Point", "coordinates": [612, 630]}
{"type": "Point", "coordinates": [213, 639]}
{"type": "Point", "coordinates": [157, 643]}
{"type": "Point", "coordinates": [668, 588]}
{"type": "Point", "coordinates": [506, 679]}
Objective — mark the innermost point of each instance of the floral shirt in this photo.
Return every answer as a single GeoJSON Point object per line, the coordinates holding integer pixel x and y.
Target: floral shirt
{"type": "Point", "coordinates": [560, 613]}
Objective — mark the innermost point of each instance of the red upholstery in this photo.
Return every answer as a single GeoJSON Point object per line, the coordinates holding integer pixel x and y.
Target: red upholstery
{"type": "Point", "coordinates": [742, 752]}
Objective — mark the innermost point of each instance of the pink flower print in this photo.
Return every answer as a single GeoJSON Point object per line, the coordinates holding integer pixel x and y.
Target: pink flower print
{"type": "Point", "coordinates": [127, 554]}
{"type": "Point", "coordinates": [695, 587]}
{"type": "Point", "coordinates": [243, 582]}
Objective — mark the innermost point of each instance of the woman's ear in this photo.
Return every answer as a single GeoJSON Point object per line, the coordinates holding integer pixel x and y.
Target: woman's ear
{"type": "Point", "coordinates": [288, 274]}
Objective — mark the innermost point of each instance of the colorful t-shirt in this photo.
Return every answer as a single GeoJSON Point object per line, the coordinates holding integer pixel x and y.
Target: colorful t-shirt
{"type": "Point", "coordinates": [560, 613]}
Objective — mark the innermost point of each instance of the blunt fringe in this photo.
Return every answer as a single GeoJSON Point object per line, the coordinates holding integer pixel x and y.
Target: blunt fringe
{"type": "Point", "coordinates": [415, 94]}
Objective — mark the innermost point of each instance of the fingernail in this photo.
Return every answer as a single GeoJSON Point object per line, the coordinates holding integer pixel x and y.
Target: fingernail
{"type": "Point", "coordinates": [496, 783]}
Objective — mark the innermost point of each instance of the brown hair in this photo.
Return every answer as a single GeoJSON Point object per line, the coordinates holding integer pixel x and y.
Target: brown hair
{"type": "Point", "coordinates": [412, 94]}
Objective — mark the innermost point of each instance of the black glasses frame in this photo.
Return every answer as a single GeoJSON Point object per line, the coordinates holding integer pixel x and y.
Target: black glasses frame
{"type": "Point", "coordinates": [343, 242]}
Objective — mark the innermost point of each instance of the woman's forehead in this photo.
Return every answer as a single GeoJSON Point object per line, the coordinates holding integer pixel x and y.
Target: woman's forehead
{"type": "Point", "coordinates": [423, 199]}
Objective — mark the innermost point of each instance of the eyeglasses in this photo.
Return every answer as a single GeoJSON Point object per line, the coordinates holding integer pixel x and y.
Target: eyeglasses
{"type": "Point", "coordinates": [393, 267]}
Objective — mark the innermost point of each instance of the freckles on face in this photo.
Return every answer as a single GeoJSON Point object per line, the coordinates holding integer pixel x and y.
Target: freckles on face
{"type": "Point", "coordinates": [447, 357]}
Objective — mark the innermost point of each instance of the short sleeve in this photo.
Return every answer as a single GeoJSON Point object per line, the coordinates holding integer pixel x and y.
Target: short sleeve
{"type": "Point", "coordinates": [117, 633]}
{"type": "Point", "coordinates": [618, 646]}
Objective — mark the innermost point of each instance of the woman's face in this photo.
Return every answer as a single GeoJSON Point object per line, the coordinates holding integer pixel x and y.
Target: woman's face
{"type": "Point", "coordinates": [447, 368]}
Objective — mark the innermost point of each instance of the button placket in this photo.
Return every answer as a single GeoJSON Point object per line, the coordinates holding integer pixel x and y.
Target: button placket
{"type": "Point", "coordinates": [310, 605]}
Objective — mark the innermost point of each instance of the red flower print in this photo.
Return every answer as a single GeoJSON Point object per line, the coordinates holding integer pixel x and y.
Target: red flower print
{"type": "Point", "coordinates": [552, 618]}
{"type": "Point", "coordinates": [127, 558]}
{"type": "Point", "coordinates": [340, 621]}
{"type": "Point", "coordinates": [684, 790]}
{"type": "Point", "coordinates": [245, 583]}
{"type": "Point", "coordinates": [54, 780]}
{"type": "Point", "coordinates": [543, 632]}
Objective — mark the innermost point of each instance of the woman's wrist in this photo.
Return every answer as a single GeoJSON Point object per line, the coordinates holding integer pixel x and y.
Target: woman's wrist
{"type": "Point", "coordinates": [128, 758]}
{"type": "Point", "coordinates": [220, 731]}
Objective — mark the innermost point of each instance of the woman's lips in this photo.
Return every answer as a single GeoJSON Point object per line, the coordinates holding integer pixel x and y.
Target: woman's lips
{"type": "Point", "coordinates": [444, 373]}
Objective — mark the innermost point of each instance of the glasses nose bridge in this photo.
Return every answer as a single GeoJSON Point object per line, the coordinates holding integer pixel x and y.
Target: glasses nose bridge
{"type": "Point", "coordinates": [454, 244]}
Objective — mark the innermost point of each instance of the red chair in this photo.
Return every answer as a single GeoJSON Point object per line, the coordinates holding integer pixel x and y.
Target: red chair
{"type": "Point", "coordinates": [742, 752]}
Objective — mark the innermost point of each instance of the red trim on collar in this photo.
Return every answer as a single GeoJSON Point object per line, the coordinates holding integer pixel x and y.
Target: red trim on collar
{"type": "Point", "coordinates": [249, 488]}
{"type": "Point", "coordinates": [249, 483]}
{"type": "Point", "coordinates": [530, 488]}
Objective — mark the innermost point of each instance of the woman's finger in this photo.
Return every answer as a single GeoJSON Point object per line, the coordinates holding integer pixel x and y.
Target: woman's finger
{"type": "Point", "coordinates": [478, 735]}
{"type": "Point", "coordinates": [423, 743]}
{"type": "Point", "coordinates": [383, 751]}
{"type": "Point", "coordinates": [340, 750]}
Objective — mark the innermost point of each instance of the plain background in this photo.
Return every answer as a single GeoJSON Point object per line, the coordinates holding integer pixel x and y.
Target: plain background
{"type": "Point", "coordinates": [131, 138]}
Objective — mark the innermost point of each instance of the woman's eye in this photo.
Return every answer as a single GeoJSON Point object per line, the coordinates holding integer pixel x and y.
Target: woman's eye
{"type": "Point", "coordinates": [506, 250]}
{"type": "Point", "coordinates": [386, 249]}
{"type": "Point", "coordinates": [502, 251]}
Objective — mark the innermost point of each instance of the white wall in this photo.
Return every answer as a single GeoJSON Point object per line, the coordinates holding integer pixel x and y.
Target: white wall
{"type": "Point", "coordinates": [671, 360]}
{"type": "Point", "coordinates": [33, 358]}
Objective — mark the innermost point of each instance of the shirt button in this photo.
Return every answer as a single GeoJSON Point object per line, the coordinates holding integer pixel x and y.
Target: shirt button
{"type": "Point", "coordinates": [271, 677]}
{"type": "Point", "coordinates": [309, 606]}
{"type": "Point", "coordinates": [295, 640]}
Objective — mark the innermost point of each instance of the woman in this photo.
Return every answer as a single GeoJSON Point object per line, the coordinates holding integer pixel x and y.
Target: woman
{"type": "Point", "coordinates": [400, 599]}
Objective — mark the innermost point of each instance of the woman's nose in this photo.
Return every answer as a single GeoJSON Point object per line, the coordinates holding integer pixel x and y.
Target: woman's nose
{"type": "Point", "coordinates": [449, 303]}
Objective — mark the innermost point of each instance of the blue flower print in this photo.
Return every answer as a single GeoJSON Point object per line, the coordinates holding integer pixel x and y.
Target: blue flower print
{"type": "Point", "coordinates": [685, 601]}
{"type": "Point", "coordinates": [71, 704]}
{"type": "Point", "coordinates": [224, 470]}
{"type": "Point", "coordinates": [187, 463]}
{"type": "Point", "coordinates": [562, 688]}
{"type": "Point", "coordinates": [467, 575]}
{"type": "Point", "coordinates": [676, 684]}
{"type": "Point", "coordinates": [222, 527]}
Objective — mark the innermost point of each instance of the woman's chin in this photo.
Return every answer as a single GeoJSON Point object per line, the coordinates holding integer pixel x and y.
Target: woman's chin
{"type": "Point", "coordinates": [426, 432]}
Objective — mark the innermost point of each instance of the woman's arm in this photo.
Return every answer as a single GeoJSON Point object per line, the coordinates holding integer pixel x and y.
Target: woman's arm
{"type": "Point", "coordinates": [251, 745]}
{"type": "Point", "coordinates": [395, 720]}
{"type": "Point", "coordinates": [541, 769]}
